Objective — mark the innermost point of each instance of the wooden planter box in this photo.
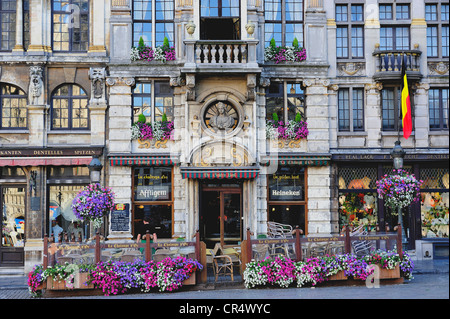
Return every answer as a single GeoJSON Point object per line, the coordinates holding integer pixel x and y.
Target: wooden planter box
{"type": "Point", "coordinates": [190, 281]}
{"type": "Point", "coordinates": [80, 280]}
{"type": "Point", "coordinates": [79, 283]}
{"type": "Point", "coordinates": [55, 284]}
{"type": "Point", "coordinates": [390, 273]}
{"type": "Point", "coordinates": [339, 276]}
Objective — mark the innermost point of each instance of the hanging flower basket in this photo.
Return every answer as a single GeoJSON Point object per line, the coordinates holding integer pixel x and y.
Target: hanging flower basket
{"type": "Point", "coordinates": [93, 203]}
{"type": "Point", "coordinates": [399, 189]}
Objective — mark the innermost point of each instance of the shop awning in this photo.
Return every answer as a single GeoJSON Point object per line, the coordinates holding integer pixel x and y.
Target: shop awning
{"type": "Point", "coordinates": [220, 172]}
{"type": "Point", "coordinates": [298, 160]}
{"type": "Point", "coordinates": [141, 161]}
{"type": "Point", "coordinates": [45, 161]}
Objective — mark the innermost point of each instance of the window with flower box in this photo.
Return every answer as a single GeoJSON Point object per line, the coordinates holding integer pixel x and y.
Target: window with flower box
{"type": "Point", "coordinates": [286, 99]}
{"type": "Point", "coordinates": [153, 20]}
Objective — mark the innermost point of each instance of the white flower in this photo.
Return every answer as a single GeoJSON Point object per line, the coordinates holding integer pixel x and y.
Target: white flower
{"type": "Point", "coordinates": [134, 54]}
{"type": "Point", "coordinates": [160, 55]}
{"type": "Point", "coordinates": [135, 132]}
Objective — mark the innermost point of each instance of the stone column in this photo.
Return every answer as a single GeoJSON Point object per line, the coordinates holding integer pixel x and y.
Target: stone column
{"type": "Point", "coordinates": [119, 141]}
{"type": "Point", "coordinates": [373, 114]}
{"type": "Point", "coordinates": [371, 34]}
{"type": "Point", "coordinates": [319, 217]}
{"type": "Point", "coordinates": [18, 48]}
{"type": "Point", "coordinates": [39, 11]}
{"type": "Point", "coordinates": [97, 106]}
{"type": "Point", "coordinates": [97, 30]}
{"type": "Point", "coordinates": [120, 31]}
{"type": "Point", "coordinates": [37, 109]}
{"type": "Point", "coordinates": [317, 115]}
{"type": "Point", "coordinates": [315, 34]}
{"type": "Point", "coordinates": [421, 115]}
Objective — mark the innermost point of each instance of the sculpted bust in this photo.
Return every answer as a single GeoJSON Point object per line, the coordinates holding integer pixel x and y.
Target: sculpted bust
{"type": "Point", "coordinates": [222, 120]}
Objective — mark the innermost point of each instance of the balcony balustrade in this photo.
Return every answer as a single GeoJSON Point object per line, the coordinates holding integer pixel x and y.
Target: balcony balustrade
{"type": "Point", "coordinates": [388, 64]}
{"type": "Point", "coordinates": [224, 55]}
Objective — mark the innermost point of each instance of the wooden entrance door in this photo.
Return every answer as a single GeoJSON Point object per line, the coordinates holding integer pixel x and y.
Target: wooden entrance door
{"type": "Point", "coordinates": [221, 215]}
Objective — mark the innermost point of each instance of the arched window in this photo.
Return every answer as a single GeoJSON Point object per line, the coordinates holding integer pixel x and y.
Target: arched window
{"type": "Point", "coordinates": [69, 108]}
{"type": "Point", "coordinates": [13, 107]}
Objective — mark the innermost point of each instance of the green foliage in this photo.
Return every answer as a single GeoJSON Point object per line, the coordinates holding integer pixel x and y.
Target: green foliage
{"type": "Point", "coordinates": [142, 118]}
{"type": "Point", "coordinates": [275, 117]}
{"type": "Point", "coordinates": [298, 117]}
{"type": "Point", "coordinates": [164, 118]}
{"type": "Point", "coordinates": [295, 43]}
{"type": "Point", "coordinates": [166, 42]}
{"type": "Point", "coordinates": [272, 43]}
{"type": "Point", "coordinates": [141, 43]}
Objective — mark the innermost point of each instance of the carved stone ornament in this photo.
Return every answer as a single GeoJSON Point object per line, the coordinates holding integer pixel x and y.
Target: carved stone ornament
{"type": "Point", "coordinates": [97, 76]}
{"type": "Point", "coordinates": [250, 27]}
{"type": "Point", "coordinates": [351, 68]}
{"type": "Point", "coordinates": [119, 81]}
{"type": "Point", "coordinates": [438, 68]}
{"type": "Point", "coordinates": [190, 28]}
{"type": "Point", "coordinates": [36, 85]}
{"type": "Point", "coordinates": [221, 120]}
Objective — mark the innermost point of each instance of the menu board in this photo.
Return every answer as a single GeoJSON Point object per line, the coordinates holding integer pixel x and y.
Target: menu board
{"type": "Point", "coordinates": [120, 218]}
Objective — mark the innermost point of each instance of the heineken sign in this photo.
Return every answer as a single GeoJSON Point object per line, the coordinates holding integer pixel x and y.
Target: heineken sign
{"type": "Point", "coordinates": [286, 193]}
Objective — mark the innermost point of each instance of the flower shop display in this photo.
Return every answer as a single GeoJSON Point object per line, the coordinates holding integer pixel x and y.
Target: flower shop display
{"type": "Point", "coordinates": [399, 189]}
{"type": "Point", "coordinates": [283, 272]}
{"type": "Point", "coordinates": [158, 130]}
{"type": "Point", "coordinates": [279, 54]}
{"type": "Point", "coordinates": [357, 209]}
{"type": "Point", "coordinates": [161, 53]}
{"type": "Point", "coordinates": [116, 277]}
{"type": "Point", "coordinates": [435, 215]}
{"type": "Point", "coordinates": [93, 203]}
{"type": "Point", "coordinates": [293, 129]}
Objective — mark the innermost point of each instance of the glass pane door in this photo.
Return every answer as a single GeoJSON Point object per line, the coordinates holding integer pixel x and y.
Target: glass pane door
{"type": "Point", "coordinates": [232, 217]}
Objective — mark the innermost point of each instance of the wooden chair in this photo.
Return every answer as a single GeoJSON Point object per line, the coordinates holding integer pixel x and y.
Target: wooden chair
{"type": "Point", "coordinates": [222, 265]}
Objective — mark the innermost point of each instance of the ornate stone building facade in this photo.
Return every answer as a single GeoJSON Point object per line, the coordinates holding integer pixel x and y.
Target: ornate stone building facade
{"type": "Point", "coordinates": [72, 87]}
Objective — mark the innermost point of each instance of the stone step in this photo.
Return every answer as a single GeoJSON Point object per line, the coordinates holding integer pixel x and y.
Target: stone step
{"type": "Point", "coordinates": [12, 271]}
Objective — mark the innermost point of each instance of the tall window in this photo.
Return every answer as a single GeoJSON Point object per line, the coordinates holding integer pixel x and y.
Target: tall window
{"type": "Point", "coordinates": [351, 109]}
{"type": "Point", "coordinates": [220, 20]}
{"type": "Point", "coordinates": [394, 33]}
{"type": "Point", "coordinates": [283, 21]}
{"type": "Point", "coordinates": [7, 24]}
{"type": "Point", "coordinates": [153, 199]}
{"type": "Point", "coordinates": [391, 109]}
{"type": "Point", "coordinates": [153, 20]}
{"type": "Point", "coordinates": [287, 201]}
{"type": "Point", "coordinates": [13, 107]}
{"type": "Point", "coordinates": [70, 25]}
{"type": "Point", "coordinates": [286, 99]}
{"type": "Point", "coordinates": [438, 108]}
{"type": "Point", "coordinates": [350, 31]}
{"type": "Point", "coordinates": [437, 17]}
{"type": "Point", "coordinates": [69, 108]}
{"type": "Point", "coordinates": [153, 99]}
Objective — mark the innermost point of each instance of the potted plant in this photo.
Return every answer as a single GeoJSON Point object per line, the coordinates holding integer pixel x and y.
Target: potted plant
{"type": "Point", "coordinates": [161, 53]}
{"type": "Point", "coordinates": [399, 189]}
{"type": "Point", "coordinates": [279, 54]}
{"type": "Point", "coordinates": [93, 203]}
{"type": "Point", "coordinates": [293, 129]}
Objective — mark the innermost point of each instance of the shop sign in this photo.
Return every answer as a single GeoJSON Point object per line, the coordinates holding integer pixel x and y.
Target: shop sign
{"type": "Point", "coordinates": [8, 152]}
{"type": "Point", "coordinates": [286, 193]}
{"type": "Point", "coordinates": [152, 193]}
{"type": "Point", "coordinates": [120, 218]}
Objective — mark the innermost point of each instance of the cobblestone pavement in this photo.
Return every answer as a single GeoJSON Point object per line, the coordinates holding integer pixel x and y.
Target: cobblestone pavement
{"type": "Point", "coordinates": [423, 286]}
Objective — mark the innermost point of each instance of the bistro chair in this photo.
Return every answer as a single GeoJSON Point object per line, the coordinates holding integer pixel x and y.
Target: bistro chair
{"type": "Point", "coordinates": [361, 247]}
{"type": "Point", "coordinates": [260, 251]}
{"type": "Point", "coordinates": [222, 265]}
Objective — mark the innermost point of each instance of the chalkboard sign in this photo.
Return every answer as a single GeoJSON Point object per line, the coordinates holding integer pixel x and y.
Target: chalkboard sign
{"type": "Point", "coordinates": [120, 218]}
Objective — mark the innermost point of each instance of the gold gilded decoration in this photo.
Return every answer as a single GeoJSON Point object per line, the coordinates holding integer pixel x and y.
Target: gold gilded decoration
{"type": "Point", "coordinates": [280, 143]}
{"type": "Point", "coordinates": [220, 154]}
{"type": "Point", "coordinates": [152, 144]}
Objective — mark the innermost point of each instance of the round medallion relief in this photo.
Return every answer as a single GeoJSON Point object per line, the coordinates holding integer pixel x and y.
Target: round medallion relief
{"type": "Point", "coordinates": [221, 117]}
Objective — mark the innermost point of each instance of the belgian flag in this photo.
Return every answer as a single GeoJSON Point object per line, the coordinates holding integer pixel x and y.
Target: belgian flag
{"type": "Point", "coordinates": [406, 104]}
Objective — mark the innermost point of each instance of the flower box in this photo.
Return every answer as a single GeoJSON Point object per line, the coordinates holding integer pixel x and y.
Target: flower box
{"type": "Point", "coordinates": [390, 273]}
{"type": "Point", "coordinates": [80, 281]}
{"type": "Point", "coordinates": [339, 276]}
{"type": "Point", "coordinates": [190, 281]}
{"type": "Point", "coordinates": [56, 284]}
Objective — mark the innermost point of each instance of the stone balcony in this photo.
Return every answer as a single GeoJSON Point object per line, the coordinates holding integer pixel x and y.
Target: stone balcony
{"type": "Point", "coordinates": [223, 56]}
{"type": "Point", "coordinates": [388, 65]}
